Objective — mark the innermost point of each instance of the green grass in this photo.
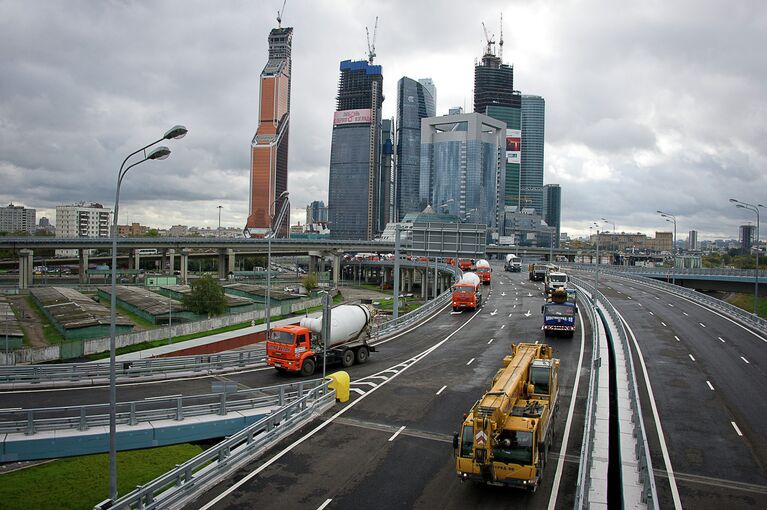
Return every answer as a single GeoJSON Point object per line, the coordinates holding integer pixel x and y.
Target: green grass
{"type": "Point", "coordinates": [52, 335]}
{"type": "Point", "coordinates": [81, 482]}
{"type": "Point", "coordinates": [406, 304]}
{"type": "Point", "coordinates": [746, 302]}
{"type": "Point", "coordinates": [137, 319]}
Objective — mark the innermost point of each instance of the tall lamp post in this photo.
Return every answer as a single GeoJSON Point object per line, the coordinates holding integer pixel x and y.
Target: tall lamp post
{"type": "Point", "coordinates": [219, 220]}
{"type": "Point", "coordinates": [671, 218]}
{"type": "Point", "coordinates": [280, 216]}
{"type": "Point", "coordinates": [755, 209]}
{"type": "Point", "coordinates": [159, 153]}
{"type": "Point", "coordinates": [596, 276]}
{"type": "Point", "coordinates": [613, 224]}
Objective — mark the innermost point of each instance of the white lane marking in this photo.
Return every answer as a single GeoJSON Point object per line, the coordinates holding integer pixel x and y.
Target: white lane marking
{"type": "Point", "coordinates": [494, 312]}
{"type": "Point", "coordinates": [656, 297]}
{"type": "Point", "coordinates": [326, 503]}
{"type": "Point", "coordinates": [652, 313]}
{"type": "Point", "coordinates": [357, 390]}
{"type": "Point", "coordinates": [735, 426]}
{"type": "Point", "coordinates": [163, 397]}
{"type": "Point", "coordinates": [677, 338]}
{"type": "Point", "coordinates": [311, 433]}
{"type": "Point", "coordinates": [470, 361]}
{"type": "Point", "coordinates": [490, 341]}
{"type": "Point", "coordinates": [566, 433]}
{"type": "Point", "coordinates": [656, 417]}
{"type": "Point", "coordinates": [709, 385]}
{"type": "Point", "coordinates": [721, 339]}
{"type": "Point", "coordinates": [510, 314]}
{"type": "Point", "coordinates": [527, 314]}
{"type": "Point", "coordinates": [396, 433]}
{"type": "Point", "coordinates": [10, 409]}
{"type": "Point", "coordinates": [629, 297]}
{"type": "Point", "coordinates": [671, 305]}
{"type": "Point", "coordinates": [366, 382]}
{"type": "Point", "coordinates": [686, 314]}
{"type": "Point", "coordinates": [442, 389]}
{"type": "Point", "coordinates": [702, 325]}
{"type": "Point", "coordinates": [640, 304]}
{"type": "Point", "coordinates": [690, 355]}
{"type": "Point", "coordinates": [744, 359]}
{"type": "Point", "coordinates": [455, 313]}
{"type": "Point", "coordinates": [503, 326]}
{"type": "Point", "coordinates": [664, 324]}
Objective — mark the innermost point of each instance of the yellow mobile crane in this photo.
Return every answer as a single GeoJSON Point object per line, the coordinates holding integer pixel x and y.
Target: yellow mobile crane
{"type": "Point", "coordinates": [505, 438]}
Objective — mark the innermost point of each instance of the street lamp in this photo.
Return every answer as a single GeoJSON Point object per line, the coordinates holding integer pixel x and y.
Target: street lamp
{"type": "Point", "coordinates": [613, 224]}
{"type": "Point", "coordinates": [596, 276]}
{"type": "Point", "coordinates": [159, 153]}
{"type": "Point", "coordinates": [219, 220]}
{"type": "Point", "coordinates": [671, 218]}
{"type": "Point", "coordinates": [755, 209]}
{"type": "Point", "coordinates": [280, 216]}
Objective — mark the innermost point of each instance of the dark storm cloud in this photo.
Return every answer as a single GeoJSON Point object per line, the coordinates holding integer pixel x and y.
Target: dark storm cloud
{"type": "Point", "coordinates": [650, 105]}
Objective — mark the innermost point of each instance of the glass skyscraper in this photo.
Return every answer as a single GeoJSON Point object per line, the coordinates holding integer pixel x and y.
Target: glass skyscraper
{"type": "Point", "coordinates": [415, 101]}
{"type": "Point", "coordinates": [461, 167]}
{"type": "Point", "coordinates": [533, 130]}
{"type": "Point", "coordinates": [354, 199]}
{"type": "Point", "coordinates": [553, 209]}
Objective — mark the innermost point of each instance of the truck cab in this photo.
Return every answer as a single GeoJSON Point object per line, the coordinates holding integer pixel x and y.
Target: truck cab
{"type": "Point", "coordinates": [466, 296]}
{"type": "Point", "coordinates": [288, 348]}
{"type": "Point", "coordinates": [555, 280]}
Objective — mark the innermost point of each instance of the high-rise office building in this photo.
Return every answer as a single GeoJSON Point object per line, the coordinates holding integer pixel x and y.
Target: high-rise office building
{"type": "Point", "coordinates": [692, 240]}
{"type": "Point", "coordinates": [552, 209]}
{"type": "Point", "coordinates": [494, 95]}
{"type": "Point", "coordinates": [269, 148]}
{"type": "Point", "coordinates": [354, 182]}
{"type": "Point", "coordinates": [428, 83]}
{"type": "Point", "coordinates": [532, 132]}
{"type": "Point", "coordinates": [747, 236]}
{"type": "Point", "coordinates": [415, 101]}
{"type": "Point", "coordinates": [17, 218]}
{"type": "Point", "coordinates": [461, 167]}
{"type": "Point", "coordinates": [316, 212]}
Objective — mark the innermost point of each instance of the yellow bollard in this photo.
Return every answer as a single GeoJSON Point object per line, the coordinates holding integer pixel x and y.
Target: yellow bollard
{"type": "Point", "coordinates": [339, 381]}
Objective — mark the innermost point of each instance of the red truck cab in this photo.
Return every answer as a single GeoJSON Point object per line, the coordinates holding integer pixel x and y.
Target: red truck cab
{"type": "Point", "coordinates": [485, 274]}
{"type": "Point", "coordinates": [288, 348]}
{"type": "Point", "coordinates": [465, 296]}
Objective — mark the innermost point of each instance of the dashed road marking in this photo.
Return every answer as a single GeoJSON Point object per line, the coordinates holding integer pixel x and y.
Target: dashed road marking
{"type": "Point", "coordinates": [671, 305]}
{"type": "Point", "coordinates": [744, 359]}
{"type": "Point", "coordinates": [690, 355]}
{"type": "Point", "coordinates": [686, 314]}
{"type": "Point", "coordinates": [721, 339]}
{"type": "Point", "coordinates": [397, 433]}
{"type": "Point", "coordinates": [709, 385]}
{"type": "Point", "coordinates": [490, 341]}
{"type": "Point", "coordinates": [735, 426]}
{"type": "Point", "coordinates": [652, 313]}
{"type": "Point", "coordinates": [677, 338]}
{"type": "Point", "coordinates": [503, 326]}
{"type": "Point", "coordinates": [326, 503]}
{"type": "Point", "coordinates": [664, 324]}
{"type": "Point", "coordinates": [470, 361]}
{"type": "Point", "coordinates": [442, 389]}
{"type": "Point", "coordinates": [702, 325]}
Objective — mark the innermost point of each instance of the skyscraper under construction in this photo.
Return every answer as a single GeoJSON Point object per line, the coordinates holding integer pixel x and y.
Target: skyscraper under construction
{"type": "Point", "coordinates": [354, 188]}
{"type": "Point", "coordinates": [269, 148]}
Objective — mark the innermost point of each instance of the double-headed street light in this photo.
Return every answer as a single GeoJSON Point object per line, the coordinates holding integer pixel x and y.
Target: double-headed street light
{"type": "Point", "coordinates": [159, 153]}
{"type": "Point", "coordinates": [596, 276]}
{"type": "Point", "coordinates": [672, 219]}
{"type": "Point", "coordinates": [755, 209]}
{"type": "Point", "coordinates": [613, 236]}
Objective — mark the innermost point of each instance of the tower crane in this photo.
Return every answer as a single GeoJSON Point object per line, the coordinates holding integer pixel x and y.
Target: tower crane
{"type": "Point", "coordinates": [280, 13]}
{"type": "Point", "coordinates": [372, 47]}
{"type": "Point", "coordinates": [500, 42]}
{"type": "Point", "coordinates": [489, 39]}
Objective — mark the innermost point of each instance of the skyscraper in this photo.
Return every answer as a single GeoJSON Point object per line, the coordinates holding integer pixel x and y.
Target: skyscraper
{"type": "Point", "coordinates": [533, 130]}
{"type": "Point", "coordinates": [461, 167]}
{"type": "Point", "coordinates": [494, 95]}
{"type": "Point", "coordinates": [386, 173]}
{"type": "Point", "coordinates": [354, 182]}
{"type": "Point", "coordinates": [692, 240]}
{"type": "Point", "coordinates": [552, 211]}
{"type": "Point", "coordinates": [269, 148]}
{"type": "Point", "coordinates": [415, 101]}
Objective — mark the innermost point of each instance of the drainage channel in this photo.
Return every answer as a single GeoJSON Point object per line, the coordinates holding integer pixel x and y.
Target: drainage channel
{"type": "Point", "coordinates": [614, 464]}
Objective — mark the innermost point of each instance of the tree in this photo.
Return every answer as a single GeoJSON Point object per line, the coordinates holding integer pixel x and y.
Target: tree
{"type": "Point", "coordinates": [310, 282]}
{"type": "Point", "coordinates": [206, 297]}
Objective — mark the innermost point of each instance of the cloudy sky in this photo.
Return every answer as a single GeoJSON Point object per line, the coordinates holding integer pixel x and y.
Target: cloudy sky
{"type": "Point", "coordinates": [649, 104]}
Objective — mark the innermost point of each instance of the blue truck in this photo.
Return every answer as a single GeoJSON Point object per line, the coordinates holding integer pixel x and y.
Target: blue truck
{"type": "Point", "coordinates": [559, 314]}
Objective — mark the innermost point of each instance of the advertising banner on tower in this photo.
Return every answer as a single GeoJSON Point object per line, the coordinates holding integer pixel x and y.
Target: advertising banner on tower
{"type": "Point", "coordinates": [351, 117]}
{"type": "Point", "coordinates": [513, 146]}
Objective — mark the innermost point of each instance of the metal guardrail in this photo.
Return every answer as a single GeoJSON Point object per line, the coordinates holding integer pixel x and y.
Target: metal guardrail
{"type": "Point", "coordinates": [647, 477]}
{"type": "Point", "coordinates": [176, 486]}
{"type": "Point", "coordinates": [732, 311]}
{"type": "Point", "coordinates": [82, 418]}
{"type": "Point", "coordinates": [583, 482]}
{"type": "Point", "coordinates": [713, 271]}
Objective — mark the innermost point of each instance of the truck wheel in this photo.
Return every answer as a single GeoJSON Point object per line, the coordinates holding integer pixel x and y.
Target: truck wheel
{"type": "Point", "coordinates": [362, 355]}
{"type": "Point", "coordinates": [455, 308]}
{"type": "Point", "coordinates": [307, 368]}
{"type": "Point", "coordinates": [347, 358]}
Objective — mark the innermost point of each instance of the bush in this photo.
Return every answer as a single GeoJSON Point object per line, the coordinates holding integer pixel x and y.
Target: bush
{"type": "Point", "coordinates": [206, 297]}
{"type": "Point", "coordinates": [310, 282]}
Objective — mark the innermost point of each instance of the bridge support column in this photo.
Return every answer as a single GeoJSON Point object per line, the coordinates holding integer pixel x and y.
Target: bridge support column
{"type": "Point", "coordinates": [336, 269]}
{"type": "Point", "coordinates": [171, 261]}
{"type": "Point", "coordinates": [231, 261]}
{"type": "Point", "coordinates": [131, 263]}
{"type": "Point", "coordinates": [164, 261]}
{"type": "Point", "coordinates": [222, 263]}
{"type": "Point", "coordinates": [25, 268]}
{"type": "Point", "coordinates": [136, 259]}
{"type": "Point", "coordinates": [313, 259]}
{"type": "Point", "coordinates": [83, 254]}
{"type": "Point", "coordinates": [184, 265]}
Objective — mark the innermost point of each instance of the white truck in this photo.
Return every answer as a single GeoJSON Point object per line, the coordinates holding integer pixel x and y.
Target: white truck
{"type": "Point", "coordinates": [513, 263]}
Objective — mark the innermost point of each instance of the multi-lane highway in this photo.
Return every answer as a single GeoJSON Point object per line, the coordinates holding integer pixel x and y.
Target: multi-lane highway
{"type": "Point", "coordinates": [709, 387]}
{"type": "Point", "coordinates": [390, 446]}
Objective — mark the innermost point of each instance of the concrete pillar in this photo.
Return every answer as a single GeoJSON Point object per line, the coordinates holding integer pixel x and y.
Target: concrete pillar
{"type": "Point", "coordinates": [171, 261]}
{"type": "Point", "coordinates": [336, 269]}
{"type": "Point", "coordinates": [83, 253]}
{"type": "Point", "coordinates": [222, 263]}
{"type": "Point", "coordinates": [231, 261]}
{"type": "Point", "coordinates": [26, 261]}
{"type": "Point", "coordinates": [131, 264]}
{"type": "Point", "coordinates": [137, 259]}
{"type": "Point", "coordinates": [184, 265]}
{"type": "Point", "coordinates": [313, 259]}
{"type": "Point", "coordinates": [163, 260]}
{"type": "Point", "coordinates": [424, 283]}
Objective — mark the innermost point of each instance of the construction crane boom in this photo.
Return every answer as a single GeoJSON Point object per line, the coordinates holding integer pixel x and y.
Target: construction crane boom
{"type": "Point", "coordinates": [500, 42]}
{"type": "Point", "coordinates": [372, 47]}
{"type": "Point", "coordinates": [280, 13]}
{"type": "Point", "coordinates": [489, 39]}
